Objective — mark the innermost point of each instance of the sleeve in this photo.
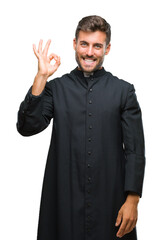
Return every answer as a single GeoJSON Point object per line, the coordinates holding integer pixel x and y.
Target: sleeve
{"type": "Point", "coordinates": [35, 112]}
{"type": "Point", "coordinates": [134, 146]}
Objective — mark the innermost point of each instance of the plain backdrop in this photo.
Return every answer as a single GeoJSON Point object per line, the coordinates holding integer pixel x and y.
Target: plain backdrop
{"type": "Point", "coordinates": [135, 56]}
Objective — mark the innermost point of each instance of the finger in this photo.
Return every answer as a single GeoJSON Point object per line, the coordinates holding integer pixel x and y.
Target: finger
{"type": "Point", "coordinates": [118, 220]}
{"type": "Point", "coordinates": [45, 51]}
{"type": "Point", "coordinates": [35, 51]}
{"type": "Point", "coordinates": [134, 224]}
{"type": "Point", "coordinates": [53, 56]}
{"type": "Point", "coordinates": [121, 230]}
{"type": "Point", "coordinates": [57, 63]}
{"type": "Point", "coordinates": [129, 226]}
{"type": "Point", "coordinates": [40, 46]}
{"type": "Point", "coordinates": [59, 60]}
{"type": "Point", "coordinates": [56, 58]}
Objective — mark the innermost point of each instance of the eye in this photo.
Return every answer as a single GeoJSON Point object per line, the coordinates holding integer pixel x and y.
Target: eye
{"type": "Point", "coordinates": [98, 46]}
{"type": "Point", "coordinates": [83, 44]}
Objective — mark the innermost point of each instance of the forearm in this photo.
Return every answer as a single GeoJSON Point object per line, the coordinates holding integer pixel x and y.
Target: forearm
{"type": "Point", "coordinates": [30, 115]}
{"type": "Point", "coordinates": [35, 112]}
{"type": "Point", "coordinates": [39, 84]}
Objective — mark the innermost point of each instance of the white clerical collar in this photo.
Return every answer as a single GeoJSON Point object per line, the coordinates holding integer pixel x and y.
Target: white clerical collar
{"type": "Point", "coordinates": [87, 74]}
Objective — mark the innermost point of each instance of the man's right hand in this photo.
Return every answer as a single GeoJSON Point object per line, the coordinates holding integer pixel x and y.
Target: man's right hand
{"type": "Point", "coordinates": [45, 68]}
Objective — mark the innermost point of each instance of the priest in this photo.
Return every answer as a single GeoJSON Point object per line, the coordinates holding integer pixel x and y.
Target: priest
{"type": "Point", "coordinates": [95, 166]}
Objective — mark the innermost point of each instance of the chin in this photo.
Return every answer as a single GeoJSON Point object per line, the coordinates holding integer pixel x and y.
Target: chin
{"type": "Point", "coordinates": [90, 70]}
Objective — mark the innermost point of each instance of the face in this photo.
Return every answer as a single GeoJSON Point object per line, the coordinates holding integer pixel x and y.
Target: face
{"type": "Point", "coordinates": [90, 50]}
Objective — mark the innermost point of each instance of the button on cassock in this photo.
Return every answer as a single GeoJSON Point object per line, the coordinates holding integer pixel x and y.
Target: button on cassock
{"type": "Point", "coordinates": [89, 204]}
{"type": "Point", "coordinates": [89, 179]}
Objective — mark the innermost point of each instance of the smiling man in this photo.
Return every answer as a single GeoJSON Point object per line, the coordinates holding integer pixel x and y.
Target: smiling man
{"type": "Point", "coordinates": [95, 166]}
{"type": "Point", "coordinates": [90, 50]}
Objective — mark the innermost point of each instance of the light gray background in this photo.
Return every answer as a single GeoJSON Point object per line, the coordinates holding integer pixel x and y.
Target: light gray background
{"type": "Point", "coordinates": [135, 56]}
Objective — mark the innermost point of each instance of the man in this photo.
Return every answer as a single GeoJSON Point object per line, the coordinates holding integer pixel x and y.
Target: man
{"type": "Point", "coordinates": [95, 166]}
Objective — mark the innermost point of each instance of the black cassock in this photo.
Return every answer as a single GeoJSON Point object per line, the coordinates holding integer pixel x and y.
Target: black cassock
{"type": "Point", "coordinates": [96, 153]}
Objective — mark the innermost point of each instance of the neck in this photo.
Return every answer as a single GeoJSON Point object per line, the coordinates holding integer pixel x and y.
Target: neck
{"type": "Point", "coordinates": [87, 74]}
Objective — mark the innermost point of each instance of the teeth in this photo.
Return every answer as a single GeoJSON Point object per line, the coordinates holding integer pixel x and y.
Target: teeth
{"type": "Point", "coordinates": [88, 60]}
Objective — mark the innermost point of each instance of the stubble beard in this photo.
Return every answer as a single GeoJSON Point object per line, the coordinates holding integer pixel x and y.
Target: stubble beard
{"type": "Point", "coordinates": [98, 66]}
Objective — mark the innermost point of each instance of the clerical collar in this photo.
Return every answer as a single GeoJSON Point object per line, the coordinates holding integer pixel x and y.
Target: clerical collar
{"type": "Point", "coordinates": [87, 74]}
{"type": "Point", "coordinates": [97, 73]}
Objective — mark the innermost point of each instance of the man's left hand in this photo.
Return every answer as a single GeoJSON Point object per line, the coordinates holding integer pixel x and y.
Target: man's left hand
{"type": "Point", "coordinates": [127, 215]}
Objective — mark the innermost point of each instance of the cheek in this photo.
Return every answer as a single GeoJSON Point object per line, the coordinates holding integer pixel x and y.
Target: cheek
{"type": "Point", "coordinates": [103, 53]}
{"type": "Point", "coordinates": [81, 52]}
{"type": "Point", "coordinates": [99, 54]}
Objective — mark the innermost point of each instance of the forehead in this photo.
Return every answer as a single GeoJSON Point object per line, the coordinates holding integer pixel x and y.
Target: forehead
{"type": "Point", "coordinates": [92, 37]}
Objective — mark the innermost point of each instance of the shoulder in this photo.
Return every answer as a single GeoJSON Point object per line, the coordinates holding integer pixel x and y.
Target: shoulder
{"type": "Point", "coordinates": [119, 81]}
{"type": "Point", "coordinates": [120, 84]}
{"type": "Point", "coordinates": [59, 80]}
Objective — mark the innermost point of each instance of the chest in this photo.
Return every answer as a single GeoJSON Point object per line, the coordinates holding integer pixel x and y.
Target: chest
{"type": "Point", "coordinates": [101, 99]}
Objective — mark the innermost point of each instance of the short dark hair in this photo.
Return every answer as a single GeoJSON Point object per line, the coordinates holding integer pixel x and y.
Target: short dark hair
{"type": "Point", "coordinates": [94, 23]}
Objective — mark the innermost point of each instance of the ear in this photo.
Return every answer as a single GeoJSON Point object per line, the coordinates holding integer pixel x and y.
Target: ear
{"type": "Point", "coordinates": [74, 43]}
{"type": "Point", "coordinates": [107, 48]}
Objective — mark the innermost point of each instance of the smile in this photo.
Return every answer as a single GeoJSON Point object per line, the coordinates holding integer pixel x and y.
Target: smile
{"type": "Point", "coordinates": [89, 61]}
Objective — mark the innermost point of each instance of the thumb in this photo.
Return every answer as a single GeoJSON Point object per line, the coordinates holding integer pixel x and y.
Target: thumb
{"type": "Point", "coordinates": [118, 220]}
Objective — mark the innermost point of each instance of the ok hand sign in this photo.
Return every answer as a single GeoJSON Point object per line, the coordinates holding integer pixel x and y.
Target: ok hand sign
{"type": "Point", "coordinates": [45, 68]}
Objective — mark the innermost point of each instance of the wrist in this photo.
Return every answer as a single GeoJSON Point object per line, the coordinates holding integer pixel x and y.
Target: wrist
{"type": "Point", "coordinates": [39, 84]}
{"type": "Point", "coordinates": [41, 77]}
{"type": "Point", "coordinates": [133, 198]}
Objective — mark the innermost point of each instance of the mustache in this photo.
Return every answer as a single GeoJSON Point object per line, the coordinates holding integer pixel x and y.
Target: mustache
{"type": "Point", "coordinates": [89, 57]}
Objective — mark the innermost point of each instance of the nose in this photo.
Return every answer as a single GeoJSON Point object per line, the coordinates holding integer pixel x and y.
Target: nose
{"type": "Point", "coordinates": [90, 51]}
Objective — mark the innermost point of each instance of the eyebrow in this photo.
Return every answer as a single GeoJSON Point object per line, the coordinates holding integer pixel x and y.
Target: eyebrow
{"type": "Point", "coordinates": [95, 44]}
{"type": "Point", "coordinates": [98, 44]}
{"type": "Point", "coordinates": [83, 42]}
